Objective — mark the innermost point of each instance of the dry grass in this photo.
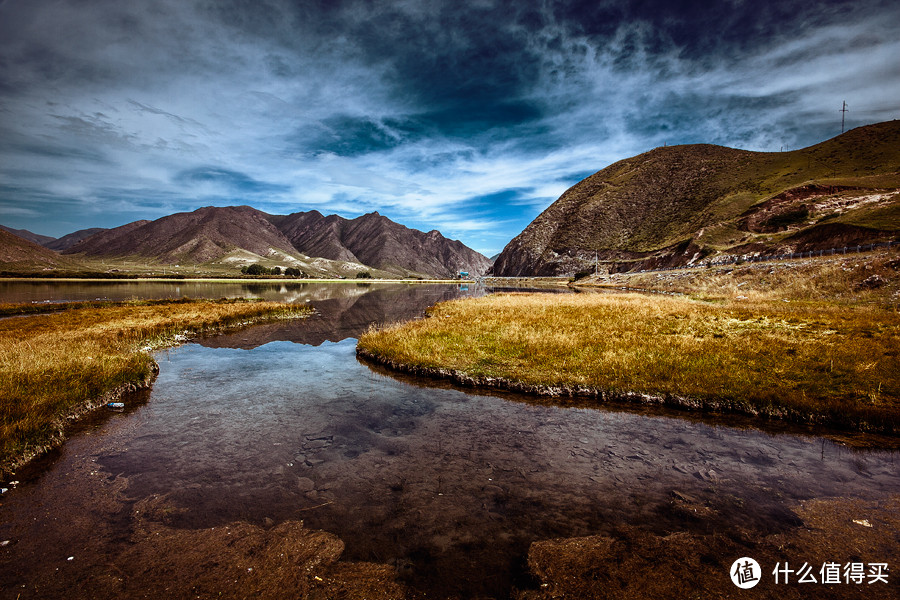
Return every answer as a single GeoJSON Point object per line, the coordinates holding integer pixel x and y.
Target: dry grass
{"type": "Point", "coordinates": [868, 278]}
{"type": "Point", "coordinates": [52, 364]}
{"type": "Point", "coordinates": [803, 362]}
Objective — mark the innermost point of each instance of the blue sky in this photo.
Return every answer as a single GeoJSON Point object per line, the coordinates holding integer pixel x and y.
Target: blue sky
{"type": "Point", "coordinates": [467, 117]}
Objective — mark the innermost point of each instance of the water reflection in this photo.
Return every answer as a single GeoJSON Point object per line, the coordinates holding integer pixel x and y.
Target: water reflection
{"type": "Point", "coordinates": [448, 486]}
{"type": "Point", "coordinates": [281, 422]}
{"type": "Point", "coordinates": [283, 291]}
{"type": "Point", "coordinates": [347, 314]}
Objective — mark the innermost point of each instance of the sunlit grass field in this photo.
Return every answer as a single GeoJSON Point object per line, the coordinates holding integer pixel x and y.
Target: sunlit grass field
{"type": "Point", "coordinates": [52, 364]}
{"type": "Point", "coordinates": [807, 362]}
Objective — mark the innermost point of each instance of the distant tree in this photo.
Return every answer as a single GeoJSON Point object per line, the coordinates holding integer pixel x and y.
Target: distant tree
{"type": "Point", "coordinates": [276, 271]}
{"type": "Point", "coordinates": [244, 269]}
{"type": "Point", "coordinates": [293, 272]}
{"type": "Point", "coordinates": [364, 275]}
{"type": "Point", "coordinates": [257, 269]}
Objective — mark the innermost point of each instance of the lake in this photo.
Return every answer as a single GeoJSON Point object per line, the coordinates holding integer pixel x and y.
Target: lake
{"type": "Point", "coordinates": [282, 422]}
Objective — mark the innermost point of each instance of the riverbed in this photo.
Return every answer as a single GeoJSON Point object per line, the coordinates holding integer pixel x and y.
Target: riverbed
{"type": "Point", "coordinates": [281, 423]}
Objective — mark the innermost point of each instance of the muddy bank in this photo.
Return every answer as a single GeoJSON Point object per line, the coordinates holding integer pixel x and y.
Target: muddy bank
{"type": "Point", "coordinates": [61, 427]}
{"type": "Point", "coordinates": [604, 396]}
{"type": "Point", "coordinates": [86, 537]}
{"type": "Point", "coordinates": [634, 564]}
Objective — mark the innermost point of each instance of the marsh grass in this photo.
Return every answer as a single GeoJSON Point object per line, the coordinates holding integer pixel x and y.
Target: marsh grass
{"type": "Point", "coordinates": [803, 362]}
{"type": "Point", "coordinates": [52, 364]}
{"type": "Point", "coordinates": [838, 279]}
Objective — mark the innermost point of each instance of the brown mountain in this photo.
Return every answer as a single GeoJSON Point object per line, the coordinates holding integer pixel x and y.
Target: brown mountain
{"type": "Point", "coordinates": [376, 241]}
{"type": "Point", "coordinates": [240, 234]}
{"type": "Point", "coordinates": [19, 254]}
{"type": "Point", "coordinates": [195, 237]}
{"type": "Point", "coordinates": [679, 204]}
{"type": "Point", "coordinates": [37, 238]}
{"type": "Point", "coordinates": [67, 241]}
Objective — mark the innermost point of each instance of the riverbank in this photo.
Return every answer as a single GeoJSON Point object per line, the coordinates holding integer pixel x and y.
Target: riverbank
{"type": "Point", "coordinates": [868, 278]}
{"type": "Point", "coordinates": [802, 362]}
{"type": "Point", "coordinates": [72, 359]}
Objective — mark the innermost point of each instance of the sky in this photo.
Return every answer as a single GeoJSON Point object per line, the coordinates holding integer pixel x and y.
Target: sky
{"type": "Point", "coordinates": [470, 117]}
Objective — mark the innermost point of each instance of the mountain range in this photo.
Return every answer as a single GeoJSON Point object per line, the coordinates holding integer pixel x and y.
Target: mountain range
{"type": "Point", "coordinates": [20, 254]}
{"type": "Point", "coordinates": [240, 235]}
{"type": "Point", "coordinates": [671, 206]}
{"type": "Point", "coordinates": [678, 205]}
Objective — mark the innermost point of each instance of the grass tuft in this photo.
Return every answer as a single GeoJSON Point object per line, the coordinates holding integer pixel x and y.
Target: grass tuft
{"type": "Point", "coordinates": [52, 365]}
{"type": "Point", "coordinates": [805, 362]}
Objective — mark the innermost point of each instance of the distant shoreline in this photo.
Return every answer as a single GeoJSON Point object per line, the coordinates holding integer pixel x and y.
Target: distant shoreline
{"type": "Point", "coordinates": [233, 280]}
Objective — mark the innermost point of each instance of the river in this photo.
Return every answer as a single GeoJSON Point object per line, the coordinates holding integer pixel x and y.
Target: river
{"type": "Point", "coordinates": [281, 422]}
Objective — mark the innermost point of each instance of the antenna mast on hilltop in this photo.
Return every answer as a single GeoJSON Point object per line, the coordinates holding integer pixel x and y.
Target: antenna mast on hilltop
{"type": "Point", "coordinates": [843, 114]}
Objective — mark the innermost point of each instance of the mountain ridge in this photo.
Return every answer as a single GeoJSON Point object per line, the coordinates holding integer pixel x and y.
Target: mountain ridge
{"type": "Point", "coordinates": [227, 234]}
{"type": "Point", "coordinates": [679, 204]}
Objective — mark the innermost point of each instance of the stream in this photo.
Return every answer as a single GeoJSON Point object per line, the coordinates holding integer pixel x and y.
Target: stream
{"type": "Point", "coordinates": [282, 422]}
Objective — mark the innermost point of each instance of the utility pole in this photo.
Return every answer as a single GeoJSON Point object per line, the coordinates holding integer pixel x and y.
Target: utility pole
{"type": "Point", "coordinates": [843, 114]}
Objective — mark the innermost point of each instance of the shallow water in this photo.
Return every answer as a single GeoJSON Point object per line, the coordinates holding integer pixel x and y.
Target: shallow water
{"type": "Point", "coordinates": [281, 422]}
{"type": "Point", "coordinates": [74, 291]}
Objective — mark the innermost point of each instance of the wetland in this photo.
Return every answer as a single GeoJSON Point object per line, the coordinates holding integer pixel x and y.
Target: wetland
{"type": "Point", "coordinates": [410, 487]}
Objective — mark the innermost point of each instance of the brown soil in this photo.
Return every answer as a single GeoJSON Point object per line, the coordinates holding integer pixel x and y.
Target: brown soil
{"type": "Point", "coordinates": [638, 565]}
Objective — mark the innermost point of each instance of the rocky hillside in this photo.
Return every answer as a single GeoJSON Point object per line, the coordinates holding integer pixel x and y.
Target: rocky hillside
{"type": "Point", "coordinates": [196, 237]}
{"type": "Point", "coordinates": [36, 238]}
{"type": "Point", "coordinates": [67, 241]}
{"type": "Point", "coordinates": [18, 254]}
{"type": "Point", "coordinates": [241, 235]}
{"type": "Point", "coordinates": [377, 241]}
{"type": "Point", "coordinates": [682, 204]}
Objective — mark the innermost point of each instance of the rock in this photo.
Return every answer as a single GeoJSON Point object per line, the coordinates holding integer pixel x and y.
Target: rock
{"type": "Point", "coordinates": [684, 497]}
{"type": "Point", "coordinates": [871, 282]}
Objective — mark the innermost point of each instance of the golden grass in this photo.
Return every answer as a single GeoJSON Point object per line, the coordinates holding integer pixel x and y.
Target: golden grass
{"type": "Point", "coordinates": [803, 362]}
{"type": "Point", "coordinates": [845, 279]}
{"type": "Point", "coordinates": [53, 364]}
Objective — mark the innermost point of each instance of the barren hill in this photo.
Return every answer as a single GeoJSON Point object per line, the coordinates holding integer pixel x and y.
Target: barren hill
{"type": "Point", "coordinates": [69, 240]}
{"type": "Point", "coordinates": [241, 234]}
{"type": "Point", "coordinates": [375, 240]}
{"type": "Point", "coordinates": [196, 237]}
{"type": "Point", "coordinates": [37, 238]}
{"type": "Point", "coordinates": [18, 254]}
{"type": "Point", "coordinates": [678, 204]}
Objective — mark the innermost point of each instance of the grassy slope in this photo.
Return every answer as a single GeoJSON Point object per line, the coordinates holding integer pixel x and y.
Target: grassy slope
{"type": "Point", "coordinates": [867, 158]}
{"type": "Point", "coordinates": [667, 196]}
{"type": "Point", "coordinates": [870, 278]}
{"type": "Point", "coordinates": [51, 365]}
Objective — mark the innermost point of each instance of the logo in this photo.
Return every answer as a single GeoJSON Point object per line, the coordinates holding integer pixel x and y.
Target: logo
{"type": "Point", "coordinates": [745, 573]}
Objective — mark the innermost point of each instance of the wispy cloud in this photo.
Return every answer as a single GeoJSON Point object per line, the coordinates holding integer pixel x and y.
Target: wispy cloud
{"type": "Point", "coordinates": [467, 118]}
